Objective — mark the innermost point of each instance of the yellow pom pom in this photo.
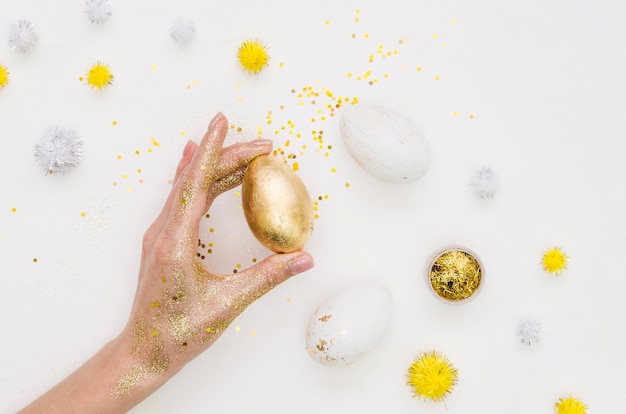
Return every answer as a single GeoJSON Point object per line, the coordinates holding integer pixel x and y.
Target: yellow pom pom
{"type": "Point", "coordinates": [570, 405]}
{"type": "Point", "coordinates": [432, 376]}
{"type": "Point", "coordinates": [4, 76]}
{"type": "Point", "coordinates": [555, 261]}
{"type": "Point", "coordinates": [99, 76]}
{"type": "Point", "coordinates": [252, 56]}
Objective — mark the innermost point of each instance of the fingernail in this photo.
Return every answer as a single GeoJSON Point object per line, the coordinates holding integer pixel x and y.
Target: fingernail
{"type": "Point", "coordinates": [217, 118]}
{"type": "Point", "coordinates": [262, 142]}
{"type": "Point", "coordinates": [300, 264]}
{"type": "Point", "coordinates": [187, 148]}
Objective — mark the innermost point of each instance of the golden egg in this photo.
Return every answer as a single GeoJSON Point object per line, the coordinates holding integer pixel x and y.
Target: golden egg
{"type": "Point", "coordinates": [277, 205]}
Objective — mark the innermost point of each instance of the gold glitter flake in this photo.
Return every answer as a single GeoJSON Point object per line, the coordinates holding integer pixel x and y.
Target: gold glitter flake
{"type": "Point", "coordinates": [455, 275]}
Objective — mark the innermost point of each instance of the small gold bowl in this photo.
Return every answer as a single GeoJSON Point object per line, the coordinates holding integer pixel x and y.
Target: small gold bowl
{"type": "Point", "coordinates": [455, 274]}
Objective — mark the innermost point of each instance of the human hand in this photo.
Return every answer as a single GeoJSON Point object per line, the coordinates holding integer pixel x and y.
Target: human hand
{"type": "Point", "coordinates": [181, 307]}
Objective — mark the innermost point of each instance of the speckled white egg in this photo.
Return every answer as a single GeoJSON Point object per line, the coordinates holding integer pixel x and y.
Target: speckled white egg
{"type": "Point", "coordinates": [348, 325]}
{"type": "Point", "coordinates": [385, 143]}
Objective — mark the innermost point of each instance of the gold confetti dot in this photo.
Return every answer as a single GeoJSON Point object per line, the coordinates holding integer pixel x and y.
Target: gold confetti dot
{"type": "Point", "coordinates": [253, 332]}
{"type": "Point", "coordinates": [434, 35]}
{"type": "Point", "coordinates": [13, 210]}
{"type": "Point", "coordinates": [327, 22]}
{"type": "Point", "coordinates": [182, 133]}
{"type": "Point", "coordinates": [82, 214]}
{"type": "Point", "coordinates": [34, 260]}
{"type": "Point", "coordinates": [347, 185]}
{"type": "Point", "coordinates": [114, 123]}
{"type": "Point", "coordinates": [129, 189]}
{"type": "Point", "coordinates": [154, 333]}
{"type": "Point", "coordinates": [471, 116]}
{"type": "Point", "coordinates": [455, 113]}
{"type": "Point", "coordinates": [153, 67]}
{"type": "Point", "coordinates": [237, 328]}
{"type": "Point", "coordinates": [436, 78]}
{"type": "Point", "coordinates": [288, 299]}
{"type": "Point", "coordinates": [211, 230]}
{"type": "Point", "coordinates": [163, 279]}
{"type": "Point", "coordinates": [453, 21]}
{"type": "Point", "coordinates": [119, 157]}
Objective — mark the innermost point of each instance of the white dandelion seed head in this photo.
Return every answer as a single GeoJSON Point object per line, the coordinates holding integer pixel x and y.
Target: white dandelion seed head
{"type": "Point", "coordinates": [183, 30]}
{"type": "Point", "coordinates": [98, 11]}
{"type": "Point", "coordinates": [529, 331]}
{"type": "Point", "coordinates": [22, 36]}
{"type": "Point", "coordinates": [485, 183]}
{"type": "Point", "coordinates": [59, 150]}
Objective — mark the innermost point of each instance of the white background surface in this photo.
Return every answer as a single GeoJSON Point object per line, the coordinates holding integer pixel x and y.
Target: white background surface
{"type": "Point", "coordinates": [544, 81]}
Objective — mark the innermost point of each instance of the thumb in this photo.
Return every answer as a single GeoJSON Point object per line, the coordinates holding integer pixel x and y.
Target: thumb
{"type": "Point", "coordinates": [274, 270]}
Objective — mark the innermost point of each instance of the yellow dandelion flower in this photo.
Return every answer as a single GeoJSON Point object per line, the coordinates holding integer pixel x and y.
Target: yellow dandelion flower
{"type": "Point", "coordinates": [4, 76]}
{"type": "Point", "coordinates": [431, 376]}
{"type": "Point", "coordinates": [99, 76]}
{"type": "Point", "coordinates": [555, 261]}
{"type": "Point", "coordinates": [570, 405]}
{"type": "Point", "coordinates": [252, 56]}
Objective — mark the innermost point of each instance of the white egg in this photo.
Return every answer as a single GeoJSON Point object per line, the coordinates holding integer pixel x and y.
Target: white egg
{"type": "Point", "coordinates": [348, 325]}
{"type": "Point", "coordinates": [386, 144]}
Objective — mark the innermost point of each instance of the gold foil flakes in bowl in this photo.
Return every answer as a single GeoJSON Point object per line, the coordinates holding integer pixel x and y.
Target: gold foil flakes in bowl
{"type": "Point", "coordinates": [455, 274]}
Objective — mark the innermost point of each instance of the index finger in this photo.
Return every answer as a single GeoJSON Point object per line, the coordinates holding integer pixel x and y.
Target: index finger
{"type": "Point", "coordinates": [190, 203]}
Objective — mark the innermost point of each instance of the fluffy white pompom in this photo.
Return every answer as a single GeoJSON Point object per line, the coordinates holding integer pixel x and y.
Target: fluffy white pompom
{"type": "Point", "coordinates": [59, 150]}
{"type": "Point", "coordinates": [485, 183]}
{"type": "Point", "coordinates": [182, 31]}
{"type": "Point", "coordinates": [22, 36]}
{"type": "Point", "coordinates": [98, 11]}
{"type": "Point", "coordinates": [529, 331]}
